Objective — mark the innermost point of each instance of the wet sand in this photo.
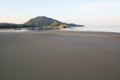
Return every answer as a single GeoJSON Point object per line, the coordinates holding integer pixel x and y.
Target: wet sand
{"type": "Point", "coordinates": [55, 55]}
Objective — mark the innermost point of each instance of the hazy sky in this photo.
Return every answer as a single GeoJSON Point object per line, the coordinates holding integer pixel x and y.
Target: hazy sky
{"type": "Point", "coordinates": [87, 12]}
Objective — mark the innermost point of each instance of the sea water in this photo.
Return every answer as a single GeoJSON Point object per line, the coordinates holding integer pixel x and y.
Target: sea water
{"type": "Point", "coordinates": [115, 29]}
{"type": "Point", "coordinates": [12, 30]}
{"type": "Point", "coordinates": [95, 29]}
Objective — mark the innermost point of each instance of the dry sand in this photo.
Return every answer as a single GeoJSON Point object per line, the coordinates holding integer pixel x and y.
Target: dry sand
{"type": "Point", "coordinates": [55, 55]}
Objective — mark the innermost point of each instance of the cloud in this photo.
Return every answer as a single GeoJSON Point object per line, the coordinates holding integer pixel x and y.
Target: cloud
{"type": "Point", "coordinates": [101, 5]}
{"type": "Point", "coordinates": [99, 13]}
{"type": "Point", "coordinates": [99, 10]}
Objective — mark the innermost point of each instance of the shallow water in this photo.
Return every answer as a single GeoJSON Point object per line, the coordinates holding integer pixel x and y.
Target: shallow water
{"type": "Point", "coordinates": [95, 29]}
{"type": "Point", "coordinates": [12, 30]}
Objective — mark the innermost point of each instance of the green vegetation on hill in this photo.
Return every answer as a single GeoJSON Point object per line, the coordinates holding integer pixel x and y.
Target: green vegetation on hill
{"type": "Point", "coordinates": [43, 21]}
{"type": "Point", "coordinates": [54, 24]}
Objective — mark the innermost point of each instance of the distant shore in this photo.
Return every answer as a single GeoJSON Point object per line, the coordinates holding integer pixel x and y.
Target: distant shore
{"type": "Point", "coordinates": [59, 55]}
{"type": "Point", "coordinates": [109, 29]}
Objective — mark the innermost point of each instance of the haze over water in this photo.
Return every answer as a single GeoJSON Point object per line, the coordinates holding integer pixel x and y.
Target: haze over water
{"type": "Point", "coordinates": [115, 29]}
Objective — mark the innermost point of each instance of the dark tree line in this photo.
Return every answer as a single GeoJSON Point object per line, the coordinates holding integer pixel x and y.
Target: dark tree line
{"type": "Point", "coordinates": [11, 26]}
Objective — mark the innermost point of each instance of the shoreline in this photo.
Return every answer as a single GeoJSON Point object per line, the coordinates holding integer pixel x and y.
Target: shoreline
{"type": "Point", "coordinates": [64, 30]}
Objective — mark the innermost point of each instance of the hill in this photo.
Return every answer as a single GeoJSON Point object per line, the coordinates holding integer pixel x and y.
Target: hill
{"type": "Point", "coordinates": [45, 22]}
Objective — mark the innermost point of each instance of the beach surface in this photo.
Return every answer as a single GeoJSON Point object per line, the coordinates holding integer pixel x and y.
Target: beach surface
{"type": "Point", "coordinates": [59, 55]}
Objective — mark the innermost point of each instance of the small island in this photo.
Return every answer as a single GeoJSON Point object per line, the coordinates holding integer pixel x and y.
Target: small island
{"type": "Point", "coordinates": [39, 23]}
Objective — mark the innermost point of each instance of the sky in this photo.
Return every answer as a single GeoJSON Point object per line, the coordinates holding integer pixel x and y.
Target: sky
{"type": "Point", "coordinates": [86, 12]}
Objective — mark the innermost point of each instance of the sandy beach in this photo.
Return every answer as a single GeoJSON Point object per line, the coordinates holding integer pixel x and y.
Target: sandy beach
{"type": "Point", "coordinates": [59, 55]}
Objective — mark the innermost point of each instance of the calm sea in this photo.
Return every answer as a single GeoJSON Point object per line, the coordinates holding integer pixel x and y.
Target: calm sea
{"type": "Point", "coordinates": [95, 29]}
{"type": "Point", "coordinates": [12, 30]}
{"type": "Point", "coordinates": [87, 28]}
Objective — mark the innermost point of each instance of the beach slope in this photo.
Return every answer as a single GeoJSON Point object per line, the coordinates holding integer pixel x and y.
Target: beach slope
{"type": "Point", "coordinates": [59, 55]}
